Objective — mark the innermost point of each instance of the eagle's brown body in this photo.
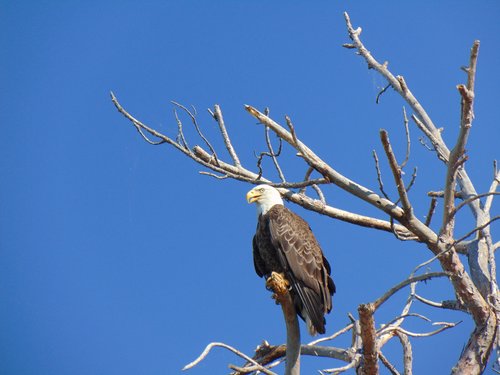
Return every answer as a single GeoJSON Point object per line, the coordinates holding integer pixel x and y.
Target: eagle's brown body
{"type": "Point", "coordinates": [284, 243]}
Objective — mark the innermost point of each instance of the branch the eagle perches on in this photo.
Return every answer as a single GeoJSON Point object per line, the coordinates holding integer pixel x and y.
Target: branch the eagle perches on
{"type": "Point", "coordinates": [475, 288]}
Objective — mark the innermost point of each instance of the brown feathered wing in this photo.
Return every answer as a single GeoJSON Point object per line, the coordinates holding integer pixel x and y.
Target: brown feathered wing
{"type": "Point", "coordinates": [285, 243]}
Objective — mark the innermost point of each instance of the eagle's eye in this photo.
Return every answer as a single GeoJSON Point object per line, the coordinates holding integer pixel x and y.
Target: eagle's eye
{"type": "Point", "coordinates": [261, 190]}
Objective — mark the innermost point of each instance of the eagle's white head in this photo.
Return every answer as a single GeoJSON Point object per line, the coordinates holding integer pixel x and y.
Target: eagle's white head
{"type": "Point", "coordinates": [265, 197]}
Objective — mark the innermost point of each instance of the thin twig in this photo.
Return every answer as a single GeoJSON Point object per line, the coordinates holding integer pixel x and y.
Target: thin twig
{"type": "Point", "coordinates": [432, 208]}
{"type": "Point", "coordinates": [327, 171]}
{"type": "Point", "coordinates": [297, 144]}
{"type": "Point", "coordinates": [339, 370]}
{"type": "Point", "coordinates": [469, 200]}
{"type": "Point", "coordinates": [444, 326]}
{"type": "Point", "coordinates": [449, 305]}
{"type": "Point", "coordinates": [217, 114]}
{"type": "Point", "coordinates": [379, 174]}
{"type": "Point", "coordinates": [271, 356]}
{"type": "Point", "coordinates": [457, 155]}
{"type": "Point", "coordinates": [396, 171]}
{"type": "Point", "coordinates": [493, 187]}
{"type": "Point", "coordinates": [151, 131]}
{"type": "Point", "coordinates": [210, 346]}
{"type": "Point", "coordinates": [440, 194]}
{"type": "Point", "coordinates": [223, 177]}
{"type": "Point", "coordinates": [424, 143]}
{"type": "Point", "coordinates": [402, 236]}
{"type": "Point", "coordinates": [412, 181]}
{"type": "Point", "coordinates": [259, 163]}
{"type": "Point", "coordinates": [335, 335]}
{"type": "Point", "coordinates": [408, 142]}
{"type": "Point", "coordinates": [192, 116]}
{"type": "Point", "coordinates": [406, 282]}
{"type": "Point", "coordinates": [476, 229]}
{"type": "Point", "coordinates": [306, 178]}
{"type": "Point", "coordinates": [381, 91]}
{"type": "Point", "coordinates": [420, 116]}
{"type": "Point", "coordinates": [387, 326]}
{"type": "Point", "coordinates": [147, 139]}
{"type": "Point", "coordinates": [180, 133]}
{"type": "Point", "coordinates": [273, 155]}
{"type": "Point", "coordinates": [388, 364]}
{"type": "Point", "coordinates": [318, 191]}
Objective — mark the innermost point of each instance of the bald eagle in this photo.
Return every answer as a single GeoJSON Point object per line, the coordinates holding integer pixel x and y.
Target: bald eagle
{"type": "Point", "coordinates": [284, 243]}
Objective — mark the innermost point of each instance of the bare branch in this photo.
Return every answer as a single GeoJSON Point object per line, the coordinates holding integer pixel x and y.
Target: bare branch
{"type": "Point", "coordinates": [469, 200]}
{"type": "Point", "coordinates": [274, 155]}
{"type": "Point", "coordinates": [412, 181]}
{"type": "Point", "coordinates": [326, 351]}
{"type": "Point", "coordinates": [379, 174]}
{"type": "Point", "coordinates": [432, 208]}
{"type": "Point", "coordinates": [259, 164]}
{"type": "Point", "coordinates": [401, 236]}
{"type": "Point", "coordinates": [335, 177]}
{"type": "Point", "coordinates": [339, 370]}
{"type": "Point", "coordinates": [244, 370]}
{"type": "Point", "coordinates": [408, 142]}
{"type": "Point", "coordinates": [463, 246]}
{"type": "Point", "coordinates": [138, 124]}
{"type": "Point", "coordinates": [387, 326]}
{"type": "Point", "coordinates": [381, 91]}
{"type": "Point", "coordinates": [335, 335]}
{"type": "Point", "coordinates": [471, 69]}
{"type": "Point", "coordinates": [230, 348]}
{"type": "Point", "coordinates": [369, 337]}
{"type": "Point", "coordinates": [280, 286]}
{"type": "Point", "coordinates": [309, 171]}
{"type": "Point", "coordinates": [456, 159]}
{"type": "Point", "coordinates": [457, 155]}
{"type": "Point", "coordinates": [217, 114]}
{"type": "Point", "coordinates": [192, 116]}
{"type": "Point", "coordinates": [440, 194]}
{"type": "Point", "coordinates": [406, 282]}
{"type": "Point", "coordinates": [271, 356]}
{"type": "Point", "coordinates": [296, 143]}
{"type": "Point", "coordinates": [388, 364]}
{"type": "Point", "coordinates": [476, 229]}
{"type": "Point", "coordinates": [451, 262]}
{"type": "Point", "coordinates": [424, 143]}
{"type": "Point", "coordinates": [243, 174]}
{"type": "Point", "coordinates": [444, 326]}
{"type": "Point", "coordinates": [396, 171]}
{"type": "Point", "coordinates": [300, 184]}
{"type": "Point", "coordinates": [420, 117]}
{"type": "Point", "coordinates": [407, 352]}
{"type": "Point", "coordinates": [427, 262]}
{"type": "Point", "coordinates": [318, 191]}
{"type": "Point", "coordinates": [485, 311]}
{"type": "Point", "coordinates": [180, 133]}
{"type": "Point", "coordinates": [300, 199]}
{"type": "Point", "coordinates": [223, 177]}
{"type": "Point", "coordinates": [449, 305]}
{"type": "Point", "coordinates": [493, 187]}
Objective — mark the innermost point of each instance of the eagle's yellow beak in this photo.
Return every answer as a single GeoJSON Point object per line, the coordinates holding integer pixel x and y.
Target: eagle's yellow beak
{"type": "Point", "coordinates": [253, 196]}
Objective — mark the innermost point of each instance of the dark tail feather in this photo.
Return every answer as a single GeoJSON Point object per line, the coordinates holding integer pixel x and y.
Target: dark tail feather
{"type": "Point", "coordinates": [310, 308]}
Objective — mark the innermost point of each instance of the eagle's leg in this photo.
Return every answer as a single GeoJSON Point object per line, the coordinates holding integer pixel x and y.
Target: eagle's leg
{"type": "Point", "coordinates": [278, 284]}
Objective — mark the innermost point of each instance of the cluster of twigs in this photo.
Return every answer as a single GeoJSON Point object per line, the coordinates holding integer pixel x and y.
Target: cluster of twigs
{"type": "Point", "coordinates": [476, 289]}
{"type": "Point", "coordinates": [366, 343]}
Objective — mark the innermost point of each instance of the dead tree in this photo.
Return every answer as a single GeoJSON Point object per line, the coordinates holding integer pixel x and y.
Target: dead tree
{"type": "Point", "coordinates": [476, 289]}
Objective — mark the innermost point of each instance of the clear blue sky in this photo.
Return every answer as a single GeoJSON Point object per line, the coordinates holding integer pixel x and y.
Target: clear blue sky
{"type": "Point", "coordinates": [117, 257]}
